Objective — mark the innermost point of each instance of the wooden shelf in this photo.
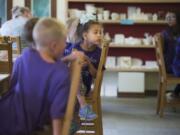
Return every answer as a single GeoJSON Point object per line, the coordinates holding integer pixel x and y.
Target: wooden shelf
{"type": "Point", "coordinates": [135, 22]}
{"type": "Point", "coordinates": [130, 46]}
{"type": "Point", "coordinates": [131, 70]}
{"type": "Point", "coordinates": [127, 1]}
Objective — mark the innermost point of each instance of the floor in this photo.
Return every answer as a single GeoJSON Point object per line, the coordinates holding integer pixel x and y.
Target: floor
{"type": "Point", "coordinates": [131, 116]}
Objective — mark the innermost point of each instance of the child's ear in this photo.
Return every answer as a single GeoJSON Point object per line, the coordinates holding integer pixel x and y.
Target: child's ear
{"type": "Point", "coordinates": [85, 35]}
{"type": "Point", "coordinates": [53, 45]}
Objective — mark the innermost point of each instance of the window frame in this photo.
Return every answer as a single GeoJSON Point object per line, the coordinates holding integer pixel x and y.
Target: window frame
{"type": "Point", "coordinates": [9, 7]}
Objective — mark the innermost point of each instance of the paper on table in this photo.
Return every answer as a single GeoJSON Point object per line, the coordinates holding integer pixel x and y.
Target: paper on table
{"type": "Point", "coordinates": [3, 76]}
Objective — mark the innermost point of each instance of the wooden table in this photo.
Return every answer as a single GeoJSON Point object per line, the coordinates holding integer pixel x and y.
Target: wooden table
{"type": "Point", "coordinates": [4, 82]}
{"type": "Point", "coordinates": [3, 77]}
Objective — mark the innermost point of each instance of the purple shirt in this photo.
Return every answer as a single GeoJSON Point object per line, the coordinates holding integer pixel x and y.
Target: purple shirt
{"type": "Point", "coordinates": [169, 48]}
{"type": "Point", "coordinates": [39, 91]}
{"type": "Point", "coordinates": [94, 57]}
{"type": "Point", "coordinates": [176, 62]}
{"type": "Point", "coordinates": [69, 48]}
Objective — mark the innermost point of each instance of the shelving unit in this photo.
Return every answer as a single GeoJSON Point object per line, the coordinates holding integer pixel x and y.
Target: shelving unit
{"type": "Point", "coordinates": [127, 1]}
{"type": "Point", "coordinates": [159, 22]}
{"type": "Point", "coordinates": [136, 29]}
{"type": "Point", "coordinates": [131, 70]}
{"type": "Point", "coordinates": [131, 46]}
{"type": "Point", "coordinates": [135, 22]}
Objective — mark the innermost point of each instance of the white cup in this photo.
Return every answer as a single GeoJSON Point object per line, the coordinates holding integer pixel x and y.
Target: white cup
{"type": "Point", "coordinates": [106, 14]}
{"type": "Point", "coordinates": [155, 17]}
{"type": "Point", "coordinates": [115, 16]}
{"type": "Point", "coordinates": [100, 17]}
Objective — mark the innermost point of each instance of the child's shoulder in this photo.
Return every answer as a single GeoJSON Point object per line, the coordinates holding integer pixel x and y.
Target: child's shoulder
{"type": "Point", "coordinates": [60, 72]}
{"type": "Point", "coordinates": [60, 67]}
{"type": "Point", "coordinates": [77, 45]}
{"type": "Point", "coordinates": [98, 50]}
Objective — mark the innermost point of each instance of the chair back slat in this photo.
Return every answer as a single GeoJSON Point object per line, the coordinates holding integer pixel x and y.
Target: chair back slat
{"type": "Point", "coordinates": [12, 39]}
{"type": "Point", "coordinates": [16, 40]}
{"type": "Point", "coordinates": [100, 71]}
{"type": "Point", "coordinates": [75, 80]}
{"type": "Point", "coordinates": [159, 55]}
{"type": "Point", "coordinates": [6, 65]}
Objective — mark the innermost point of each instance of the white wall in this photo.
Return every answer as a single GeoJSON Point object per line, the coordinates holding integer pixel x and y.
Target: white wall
{"type": "Point", "coordinates": [62, 10]}
{"type": "Point", "coordinates": [18, 3]}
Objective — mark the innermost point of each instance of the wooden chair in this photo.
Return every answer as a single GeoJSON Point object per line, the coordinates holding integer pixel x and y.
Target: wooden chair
{"type": "Point", "coordinates": [6, 65]}
{"type": "Point", "coordinates": [75, 80]}
{"type": "Point", "coordinates": [95, 127]}
{"type": "Point", "coordinates": [165, 79]}
{"type": "Point", "coordinates": [1, 39]}
{"type": "Point", "coordinates": [17, 40]}
{"type": "Point", "coordinates": [13, 39]}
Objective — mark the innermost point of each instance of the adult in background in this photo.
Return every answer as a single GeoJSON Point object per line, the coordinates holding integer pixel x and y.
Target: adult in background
{"type": "Point", "coordinates": [170, 36]}
{"type": "Point", "coordinates": [14, 27]}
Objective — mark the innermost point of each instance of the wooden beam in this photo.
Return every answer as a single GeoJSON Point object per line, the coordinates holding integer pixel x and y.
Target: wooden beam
{"type": "Point", "coordinates": [9, 7]}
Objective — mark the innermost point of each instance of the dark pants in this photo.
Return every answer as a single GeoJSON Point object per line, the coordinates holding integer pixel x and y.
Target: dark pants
{"type": "Point", "coordinates": [177, 90]}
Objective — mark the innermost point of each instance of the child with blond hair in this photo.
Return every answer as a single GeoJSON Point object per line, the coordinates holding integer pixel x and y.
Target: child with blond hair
{"type": "Point", "coordinates": [40, 84]}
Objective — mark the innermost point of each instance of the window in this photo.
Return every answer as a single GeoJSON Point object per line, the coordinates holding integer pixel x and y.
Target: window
{"type": "Point", "coordinates": [5, 10]}
{"type": "Point", "coordinates": [42, 8]}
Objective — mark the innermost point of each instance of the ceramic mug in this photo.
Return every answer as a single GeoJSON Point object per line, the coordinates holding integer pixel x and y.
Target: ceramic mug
{"type": "Point", "coordinates": [106, 14]}
{"type": "Point", "coordinates": [100, 17]}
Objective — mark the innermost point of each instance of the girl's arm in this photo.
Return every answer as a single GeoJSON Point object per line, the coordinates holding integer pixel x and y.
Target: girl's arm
{"type": "Point", "coordinates": [68, 58]}
{"type": "Point", "coordinates": [74, 55]}
{"type": "Point", "coordinates": [92, 69]}
{"type": "Point", "coordinates": [57, 126]}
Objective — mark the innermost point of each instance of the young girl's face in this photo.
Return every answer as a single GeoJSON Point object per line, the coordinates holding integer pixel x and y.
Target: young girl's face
{"type": "Point", "coordinates": [94, 35]}
{"type": "Point", "coordinates": [171, 19]}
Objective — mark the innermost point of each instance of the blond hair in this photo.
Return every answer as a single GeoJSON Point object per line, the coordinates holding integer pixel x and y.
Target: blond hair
{"type": "Point", "coordinates": [73, 22]}
{"type": "Point", "coordinates": [70, 21]}
{"type": "Point", "coordinates": [48, 29]}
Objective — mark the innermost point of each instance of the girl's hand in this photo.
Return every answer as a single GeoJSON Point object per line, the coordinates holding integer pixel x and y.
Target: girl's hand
{"type": "Point", "coordinates": [85, 63]}
{"type": "Point", "coordinates": [77, 54]}
{"type": "Point", "coordinates": [81, 56]}
{"type": "Point", "coordinates": [73, 56]}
